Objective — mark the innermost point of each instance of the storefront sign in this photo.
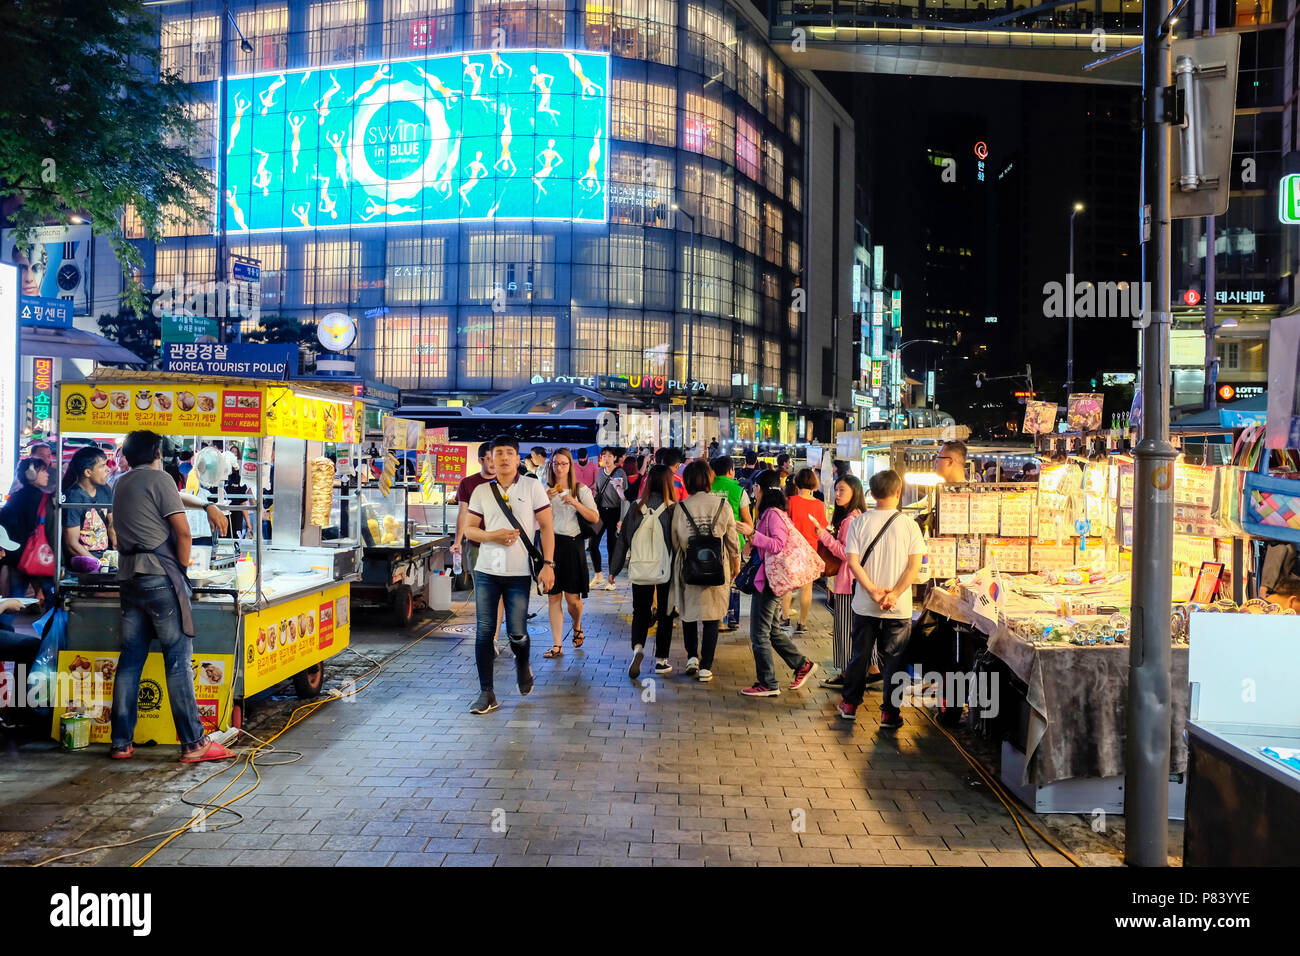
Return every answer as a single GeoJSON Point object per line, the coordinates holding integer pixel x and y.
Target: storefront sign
{"type": "Point", "coordinates": [283, 640]}
{"type": "Point", "coordinates": [290, 415]}
{"type": "Point", "coordinates": [234, 360]}
{"type": "Point", "coordinates": [1288, 198]}
{"type": "Point", "coordinates": [35, 311]}
{"type": "Point", "coordinates": [655, 384]}
{"type": "Point", "coordinates": [42, 389]}
{"type": "Point", "coordinates": [449, 462]}
{"type": "Point", "coordinates": [213, 676]}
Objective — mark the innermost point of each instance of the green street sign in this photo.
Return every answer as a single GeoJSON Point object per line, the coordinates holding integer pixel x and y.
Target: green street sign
{"type": "Point", "coordinates": [1288, 203]}
{"type": "Point", "coordinates": [188, 328]}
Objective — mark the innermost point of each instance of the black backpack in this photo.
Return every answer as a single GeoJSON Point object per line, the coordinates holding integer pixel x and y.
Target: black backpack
{"type": "Point", "coordinates": [702, 564]}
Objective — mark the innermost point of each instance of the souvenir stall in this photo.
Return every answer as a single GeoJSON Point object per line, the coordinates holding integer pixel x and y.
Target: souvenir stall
{"type": "Point", "coordinates": [266, 608]}
{"type": "Point", "coordinates": [406, 525]}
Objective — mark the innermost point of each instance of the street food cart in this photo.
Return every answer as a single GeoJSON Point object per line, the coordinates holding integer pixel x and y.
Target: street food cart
{"type": "Point", "coordinates": [405, 527]}
{"type": "Point", "coordinates": [265, 609]}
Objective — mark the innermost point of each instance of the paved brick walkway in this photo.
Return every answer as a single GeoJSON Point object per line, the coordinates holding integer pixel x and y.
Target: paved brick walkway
{"type": "Point", "coordinates": [591, 768]}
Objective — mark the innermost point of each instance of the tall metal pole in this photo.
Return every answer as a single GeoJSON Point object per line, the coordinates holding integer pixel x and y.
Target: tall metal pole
{"type": "Point", "coordinates": [222, 132]}
{"type": "Point", "coordinates": [1069, 333]}
{"type": "Point", "coordinates": [1146, 790]}
{"type": "Point", "coordinates": [690, 333]}
{"type": "Point", "coordinates": [1211, 352]}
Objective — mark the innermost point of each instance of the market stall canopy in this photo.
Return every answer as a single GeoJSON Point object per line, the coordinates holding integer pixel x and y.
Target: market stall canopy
{"type": "Point", "coordinates": [1209, 418]}
{"type": "Point", "coordinates": [75, 344]}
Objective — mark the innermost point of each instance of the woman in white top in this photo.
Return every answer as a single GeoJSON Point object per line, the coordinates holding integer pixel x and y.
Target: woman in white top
{"type": "Point", "coordinates": [569, 499]}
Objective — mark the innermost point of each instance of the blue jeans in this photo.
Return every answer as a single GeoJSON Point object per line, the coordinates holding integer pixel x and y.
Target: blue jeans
{"type": "Point", "coordinates": [150, 609]}
{"type": "Point", "coordinates": [766, 636]}
{"type": "Point", "coordinates": [489, 589]}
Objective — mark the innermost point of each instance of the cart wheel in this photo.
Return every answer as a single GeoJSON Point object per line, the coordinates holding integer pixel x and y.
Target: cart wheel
{"type": "Point", "coordinates": [403, 606]}
{"type": "Point", "coordinates": [308, 683]}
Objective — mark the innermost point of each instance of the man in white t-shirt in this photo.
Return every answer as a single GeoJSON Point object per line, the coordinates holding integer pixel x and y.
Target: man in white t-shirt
{"type": "Point", "coordinates": [504, 570]}
{"type": "Point", "coordinates": [884, 553]}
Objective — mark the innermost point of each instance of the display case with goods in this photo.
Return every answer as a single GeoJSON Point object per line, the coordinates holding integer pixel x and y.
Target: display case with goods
{"type": "Point", "coordinates": [270, 606]}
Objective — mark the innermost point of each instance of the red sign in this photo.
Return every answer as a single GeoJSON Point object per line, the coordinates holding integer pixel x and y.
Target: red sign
{"type": "Point", "coordinates": [449, 463]}
{"type": "Point", "coordinates": [1192, 297]}
{"type": "Point", "coordinates": [241, 412]}
{"type": "Point", "coordinates": [43, 374]}
{"type": "Point", "coordinates": [325, 631]}
{"type": "Point", "coordinates": [421, 33]}
{"type": "Point", "coordinates": [981, 150]}
{"type": "Point", "coordinates": [1227, 393]}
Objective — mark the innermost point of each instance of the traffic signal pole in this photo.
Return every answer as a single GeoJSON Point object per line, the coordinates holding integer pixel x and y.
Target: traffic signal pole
{"type": "Point", "coordinates": [1146, 790]}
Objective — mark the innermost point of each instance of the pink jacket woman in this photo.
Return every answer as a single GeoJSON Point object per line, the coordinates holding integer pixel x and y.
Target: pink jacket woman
{"type": "Point", "coordinates": [836, 545]}
{"type": "Point", "coordinates": [769, 538]}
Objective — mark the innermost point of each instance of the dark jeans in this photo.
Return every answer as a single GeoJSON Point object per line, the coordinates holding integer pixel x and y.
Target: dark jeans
{"type": "Point", "coordinates": [643, 595]}
{"type": "Point", "coordinates": [150, 609]}
{"type": "Point", "coordinates": [689, 637]}
{"type": "Point", "coordinates": [766, 636]}
{"type": "Point", "coordinates": [889, 637]}
{"type": "Point", "coordinates": [18, 585]}
{"type": "Point", "coordinates": [488, 590]}
{"type": "Point", "coordinates": [733, 608]}
{"type": "Point", "coordinates": [19, 648]}
{"type": "Point", "coordinates": [609, 531]}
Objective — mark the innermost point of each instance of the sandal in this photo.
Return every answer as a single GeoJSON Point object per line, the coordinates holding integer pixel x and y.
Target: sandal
{"type": "Point", "coordinates": [578, 637]}
{"type": "Point", "coordinates": [555, 651]}
{"type": "Point", "coordinates": [122, 754]}
{"type": "Point", "coordinates": [213, 751]}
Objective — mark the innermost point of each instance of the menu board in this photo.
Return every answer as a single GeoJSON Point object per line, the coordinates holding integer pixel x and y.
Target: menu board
{"type": "Point", "coordinates": [984, 513]}
{"type": "Point", "coordinates": [1015, 514]}
{"type": "Point", "coordinates": [954, 513]}
{"type": "Point", "coordinates": [449, 462]}
{"type": "Point", "coordinates": [970, 553]}
{"type": "Point", "coordinates": [166, 408]}
{"type": "Point", "coordinates": [1008, 554]}
{"type": "Point", "coordinates": [1051, 557]}
{"type": "Point", "coordinates": [943, 558]}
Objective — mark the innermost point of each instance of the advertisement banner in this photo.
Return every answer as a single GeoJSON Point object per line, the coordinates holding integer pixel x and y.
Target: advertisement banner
{"type": "Point", "coordinates": [213, 676]}
{"type": "Point", "coordinates": [34, 311]}
{"type": "Point", "coordinates": [403, 434]}
{"type": "Point", "coordinates": [235, 360]}
{"type": "Point", "coordinates": [289, 415]}
{"type": "Point", "coordinates": [42, 389]}
{"type": "Point", "coordinates": [53, 265]}
{"type": "Point", "coordinates": [451, 462]}
{"type": "Point", "coordinates": [166, 408]}
{"type": "Point", "coordinates": [515, 134]}
{"type": "Point", "coordinates": [291, 637]}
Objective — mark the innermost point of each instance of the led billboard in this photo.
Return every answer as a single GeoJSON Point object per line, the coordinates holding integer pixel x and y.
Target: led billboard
{"type": "Point", "coordinates": [514, 134]}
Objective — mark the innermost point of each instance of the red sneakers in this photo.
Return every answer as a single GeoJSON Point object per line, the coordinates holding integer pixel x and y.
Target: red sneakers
{"type": "Point", "coordinates": [802, 674]}
{"type": "Point", "coordinates": [846, 711]}
{"type": "Point", "coordinates": [760, 690]}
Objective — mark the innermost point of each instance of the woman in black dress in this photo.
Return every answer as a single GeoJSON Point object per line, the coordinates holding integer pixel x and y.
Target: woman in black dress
{"type": "Point", "coordinates": [569, 500]}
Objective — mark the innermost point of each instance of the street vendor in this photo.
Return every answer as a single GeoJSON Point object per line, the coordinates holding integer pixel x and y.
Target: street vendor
{"type": "Point", "coordinates": [154, 550]}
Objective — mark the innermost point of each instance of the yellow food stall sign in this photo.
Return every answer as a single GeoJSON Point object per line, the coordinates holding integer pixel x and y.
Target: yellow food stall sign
{"type": "Point", "coordinates": [280, 641]}
{"type": "Point", "coordinates": [167, 408]}
{"type": "Point", "coordinates": [291, 415]}
{"type": "Point", "coordinates": [97, 670]}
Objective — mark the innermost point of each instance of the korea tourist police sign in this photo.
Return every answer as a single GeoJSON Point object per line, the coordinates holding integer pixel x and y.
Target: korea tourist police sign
{"type": "Point", "coordinates": [237, 360]}
{"type": "Point", "coordinates": [514, 134]}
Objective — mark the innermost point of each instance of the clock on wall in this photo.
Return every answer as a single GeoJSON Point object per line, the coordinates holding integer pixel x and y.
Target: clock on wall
{"type": "Point", "coordinates": [68, 277]}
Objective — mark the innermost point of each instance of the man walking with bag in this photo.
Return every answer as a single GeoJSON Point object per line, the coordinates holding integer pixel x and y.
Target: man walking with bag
{"type": "Point", "coordinates": [608, 489]}
{"type": "Point", "coordinates": [504, 516]}
{"type": "Point", "coordinates": [884, 556]}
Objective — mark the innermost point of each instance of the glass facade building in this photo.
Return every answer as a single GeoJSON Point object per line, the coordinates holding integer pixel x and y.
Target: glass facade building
{"type": "Point", "coordinates": [701, 165]}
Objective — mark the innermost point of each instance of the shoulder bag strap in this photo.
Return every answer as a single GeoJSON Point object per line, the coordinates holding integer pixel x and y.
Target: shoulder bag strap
{"type": "Point", "coordinates": [695, 527]}
{"type": "Point", "coordinates": [872, 546]}
{"type": "Point", "coordinates": [724, 503]}
{"type": "Point", "coordinates": [510, 516]}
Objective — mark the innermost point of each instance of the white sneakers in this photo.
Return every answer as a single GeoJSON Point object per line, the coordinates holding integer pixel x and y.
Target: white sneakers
{"type": "Point", "coordinates": [610, 585]}
{"type": "Point", "coordinates": [597, 582]}
{"type": "Point", "coordinates": [705, 675]}
{"type": "Point", "coordinates": [638, 655]}
{"type": "Point", "coordinates": [693, 665]}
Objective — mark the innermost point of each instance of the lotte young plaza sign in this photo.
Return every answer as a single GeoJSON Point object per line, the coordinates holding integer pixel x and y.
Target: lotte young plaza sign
{"type": "Point", "coordinates": [510, 134]}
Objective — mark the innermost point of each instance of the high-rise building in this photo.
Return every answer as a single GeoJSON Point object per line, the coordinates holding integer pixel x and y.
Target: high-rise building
{"type": "Point", "coordinates": [500, 192]}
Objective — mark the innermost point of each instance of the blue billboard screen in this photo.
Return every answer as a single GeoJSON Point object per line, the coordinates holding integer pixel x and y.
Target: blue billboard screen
{"type": "Point", "coordinates": [513, 134]}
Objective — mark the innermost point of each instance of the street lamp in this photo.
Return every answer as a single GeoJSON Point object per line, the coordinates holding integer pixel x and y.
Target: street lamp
{"type": "Point", "coordinates": [690, 322]}
{"type": "Point", "coordinates": [1069, 334]}
{"type": "Point", "coordinates": [898, 367]}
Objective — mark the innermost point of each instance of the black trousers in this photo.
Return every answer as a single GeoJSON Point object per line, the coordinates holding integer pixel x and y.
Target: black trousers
{"type": "Point", "coordinates": [889, 637]}
{"type": "Point", "coordinates": [689, 637]}
{"type": "Point", "coordinates": [609, 519]}
{"type": "Point", "coordinates": [643, 595]}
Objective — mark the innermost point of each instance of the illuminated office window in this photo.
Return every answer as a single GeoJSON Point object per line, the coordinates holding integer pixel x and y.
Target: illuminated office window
{"type": "Point", "coordinates": [329, 269]}
{"type": "Point", "coordinates": [747, 232]}
{"type": "Point", "coordinates": [190, 46]}
{"type": "Point", "coordinates": [636, 29]}
{"type": "Point", "coordinates": [182, 264]}
{"type": "Point", "coordinates": [796, 194]}
{"type": "Point", "coordinates": [795, 257]}
{"type": "Point", "coordinates": [776, 95]}
{"type": "Point", "coordinates": [796, 128]}
{"type": "Point", "coordinates": [711, 43]}
{"type": "Point", "coordinates": [641, 187]}
{"type": "Point", "coordinates": [416, 270]}
{"type": "Point", "coordinates": [773, 233]}
{"type": "Point", "coordinates": [267, 31]}
{"type": "Point", "coordinates": [336, 32]}
{"type": "Point", "coordinates": [523, 23]}
{"type": "Point", "coordinates": [747, 148]}
{"type": "Point", "coordinates": [773, 168]}
{"type": "Point", "coordinates": [416, 27]}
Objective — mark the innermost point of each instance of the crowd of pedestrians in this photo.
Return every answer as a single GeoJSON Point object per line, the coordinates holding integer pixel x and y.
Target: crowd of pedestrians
{"type": "Point", "coordinates": [688, 537]}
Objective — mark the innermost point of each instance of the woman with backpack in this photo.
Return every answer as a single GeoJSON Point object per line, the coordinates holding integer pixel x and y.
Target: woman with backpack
{"type": "Point", "coordinates": [850, 502]}
{"type": "Point", "coordinates": [708, 559]}
{"type": "Point", "coordinates": [644, 546]}
{"type": "Point", "coordinates": [569, 501]}
{"type": "Point", "coordinates": [772, 533]}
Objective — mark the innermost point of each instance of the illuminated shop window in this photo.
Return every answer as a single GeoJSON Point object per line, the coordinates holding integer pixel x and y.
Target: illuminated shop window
{"type": "Point", "coordinates": [412, 351]}
{"type": "Point", "coordinates": [267, 31]}
{"type": "Point", "coordinates": [712, 351]}
{"type": "Point", "coordinates": [711, 43]}
{"type": "Point", "coordinates": [328, 272]}
{"type": "Point", "coordinates": [746, 295]}
{"type": "Point", "coordinates": [773, 168]}
{"type": "Point", "coordinates": [336, 32]}
{"type": "Point", "coordinates": [416, 270]}
{"type": "Point", "coordinates": [796, 194]}
{"type": "Point", "coordinates": [416, 27]}
{"type": "Point", "coordinates": [190, 46]}
{"type": "Point", "coordinates": [620, 342]}
{"type": "Point", "coordinates": [708, 127]}
{"type": "Point", "coordinates": [636, 29]}
{"type": "Point", "coordinates": [710, 190]}
{"type": "Point", "coordinates": [711, 278]}
{"type": "Point", "coordinates": [191, 264]}
{"type": "Point", "coordinates": [776, 97]}
{"type": "Point", "coordinates": [521, 264]}
{"type": "Point", "coordinates": [522, 23]}
{"type": "Point", "coordinates": [751, 71]}
{"type": "Point", "coordinates": [641, 187]}
{"type": "Point", "coordinates": [509, 349]}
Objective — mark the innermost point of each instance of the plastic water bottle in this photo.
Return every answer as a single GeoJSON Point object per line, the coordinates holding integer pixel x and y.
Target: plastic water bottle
{"type": "Point", "coordinates": [455, 562]}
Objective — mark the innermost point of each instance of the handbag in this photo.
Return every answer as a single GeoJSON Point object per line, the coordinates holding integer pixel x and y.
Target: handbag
{"type": "Point", "coordinates": [37, 559]}
{"type": "Point", "coordinates": [829, 559]}
{"type": "Point", "coordinates": [794, 565]}
{"type": "Point", "coordinates": [590, 529]}
{"type": "Point", "coordinates": [536, 561]}
{"type": "Point", "coordinates": [745, 579]}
